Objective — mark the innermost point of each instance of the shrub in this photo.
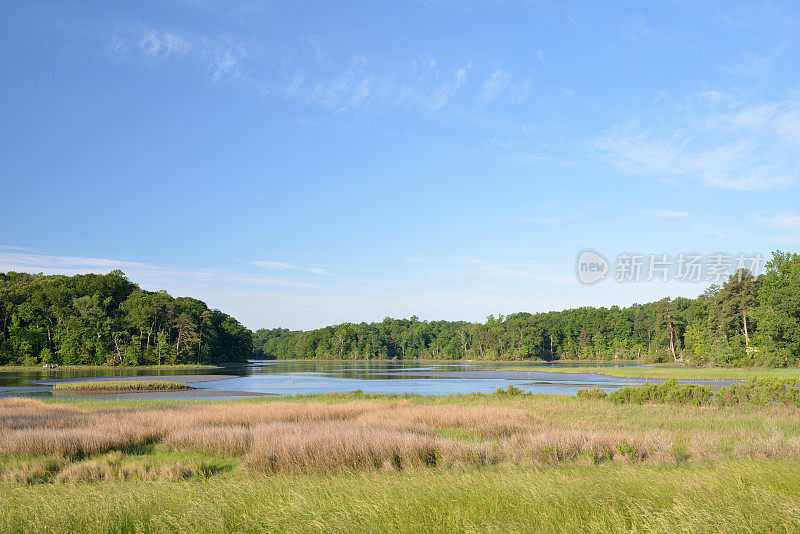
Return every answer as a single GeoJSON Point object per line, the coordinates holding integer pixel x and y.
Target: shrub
{"type": "Point", "coordinates": [669, 391]}
{"type": "Point", "coordinates": [760, 391]}
{"type": "Point", "coordinates": [592, 393]}
{"type": "Point", "coordinates": [512, 391]}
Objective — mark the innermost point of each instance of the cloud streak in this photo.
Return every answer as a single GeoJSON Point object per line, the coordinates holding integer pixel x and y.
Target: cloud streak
{"type": "Point", "coordinates": [219, 56]}
{"type": "Point", "coordinates": [365, 84]}
{"type": "Point", "coordinates": [274, 265]}
{"type": "Point", "coordinates": [665, 214]}
{"type": "Point", "coordinates": [786, 227]}
{"type": "Point", "coordinates": [149, 274]}
{"type": "Point", "coordinates": [746, 147]}
{"type": "Point", "coordinates": [281, 266]}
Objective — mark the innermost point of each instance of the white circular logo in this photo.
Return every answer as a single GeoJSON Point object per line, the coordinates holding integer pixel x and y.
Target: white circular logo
{"type": "Point", "coordinates": [591, 267]}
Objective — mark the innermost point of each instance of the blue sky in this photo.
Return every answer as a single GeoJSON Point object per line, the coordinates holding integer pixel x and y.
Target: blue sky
{"type": "Point", "coordinates": [305, 163]}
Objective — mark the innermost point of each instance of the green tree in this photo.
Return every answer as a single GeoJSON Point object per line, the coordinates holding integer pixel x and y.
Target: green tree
{"type": "Point", "coordinates": [779, 304]}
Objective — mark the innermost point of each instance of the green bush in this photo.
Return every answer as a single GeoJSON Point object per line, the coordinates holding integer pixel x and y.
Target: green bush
{"type": "Point", "coordinates": [669, 391]}
{"type": "Point", "coordinates": [756, 391]}
{"type": "Point", "coordinates": [592, 393]}
{"type": "Point", "coordinates": [511, 391]}
{"type": "Point", "coordinates": [760, 391]}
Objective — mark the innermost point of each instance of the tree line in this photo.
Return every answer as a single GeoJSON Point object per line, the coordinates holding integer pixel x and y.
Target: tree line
{"type": "Point", "coordinates": [107, 319]}
{"type": "Point", "coordinates": [96, 319]}
{"type": "Point", "coordinates": [747, 320]}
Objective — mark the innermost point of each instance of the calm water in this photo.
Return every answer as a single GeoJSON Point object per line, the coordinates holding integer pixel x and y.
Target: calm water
{"type": "Point", "coordinates": [291, 378]}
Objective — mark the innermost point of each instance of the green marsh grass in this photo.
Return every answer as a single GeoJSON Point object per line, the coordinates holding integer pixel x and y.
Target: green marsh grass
{"type": "Point", "coordinates": [738, 496]}
{"type": "Point", "coordinates": [666, 372]}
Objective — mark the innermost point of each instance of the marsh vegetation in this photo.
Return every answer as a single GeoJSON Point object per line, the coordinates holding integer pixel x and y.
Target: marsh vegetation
{"type": "Point", "coordinates": [55, 441]}
{"type": "Point", "coordinates": [522, 462]}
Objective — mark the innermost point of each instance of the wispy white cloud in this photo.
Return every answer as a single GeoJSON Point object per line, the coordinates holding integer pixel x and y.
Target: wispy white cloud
{"type": "Point", "coordinates": [14, 247]}
{"type": "Point", "coordinates": [495, 85]}
{"type": "Point", "coordinates": [665, 214]}
{"type": "Point", "coordinates": [423, 84]}
{"type": "Point", "coordinates": [750, 65]}
{"type": "Point", "coordinates": [148, 274]}
{"type": "Point", "coordinates": [636, 29]}
{"type": "Point", "coordinates": [786, 227]}
{"type": "Point", "coordinates": [741, 146]}
{"type": "Point", "coordinates": [720, 234]}
{"type": "Point", "coordinates": [550, 221]}
{"type": "Point", "coordinates": [540, 270]}
{"type": "Point", "coordinates": [502, 83]}
{"type": "Point", "coordinates": [461, 75]}
{"type": "Point", "coordinates": [545, 154]}
{"type": "Point", "coordinates": [473, 272]}
{"type": "Point", "coordinates": [221, 57]}
{"type": "Point", "coordinates": [710, 98]}
{"type": "Point", "coordinates": [659, 96]}
{"type": "Point", "coordinates": [275, 265]}
{"type": "Point", "coordinates": [282, 266]}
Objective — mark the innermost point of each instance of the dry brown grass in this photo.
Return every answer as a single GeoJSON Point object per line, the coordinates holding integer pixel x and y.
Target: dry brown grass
{"type": "Point", "coordinates": [377, 434]}
{"type": "Point", "coordinates": [484, 421]}
{"type": "Point", "coordinates": [566, 445]}
{"type": "Point", "coordinates": [338, 444]}
{"type": "Point", "coordinates": [211, 439]}
{"type": "Point", "coordinates": [29, 413]}
{"type": "Point", "coordinates": [96, 470]}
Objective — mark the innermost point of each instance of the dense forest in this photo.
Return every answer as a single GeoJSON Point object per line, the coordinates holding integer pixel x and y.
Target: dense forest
{"type": "Point", "coordinates": [108, 320]}
{"type": "Point", "coordinates": [746, 321]}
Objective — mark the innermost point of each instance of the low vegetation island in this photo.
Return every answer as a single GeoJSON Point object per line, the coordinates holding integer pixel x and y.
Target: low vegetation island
{"type": "Point", "coordinates": [120, 386]}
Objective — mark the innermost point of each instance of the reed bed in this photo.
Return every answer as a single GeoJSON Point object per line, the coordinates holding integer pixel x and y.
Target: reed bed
{"type": "Point", "coordinates": [378, 434]}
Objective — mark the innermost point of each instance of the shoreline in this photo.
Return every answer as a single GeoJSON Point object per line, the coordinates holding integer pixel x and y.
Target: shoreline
{"type": "Point", "coordinates": [104, 367]}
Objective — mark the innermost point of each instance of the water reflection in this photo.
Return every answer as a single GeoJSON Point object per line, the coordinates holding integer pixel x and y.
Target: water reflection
{"type": "Point", "coordinates": [391, 377]}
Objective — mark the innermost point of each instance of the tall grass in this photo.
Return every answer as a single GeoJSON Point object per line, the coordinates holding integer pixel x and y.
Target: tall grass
{"type": "Point", "coordinates": [733, 497]}
{"type": "Point", "coordinates": [334, 445]}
